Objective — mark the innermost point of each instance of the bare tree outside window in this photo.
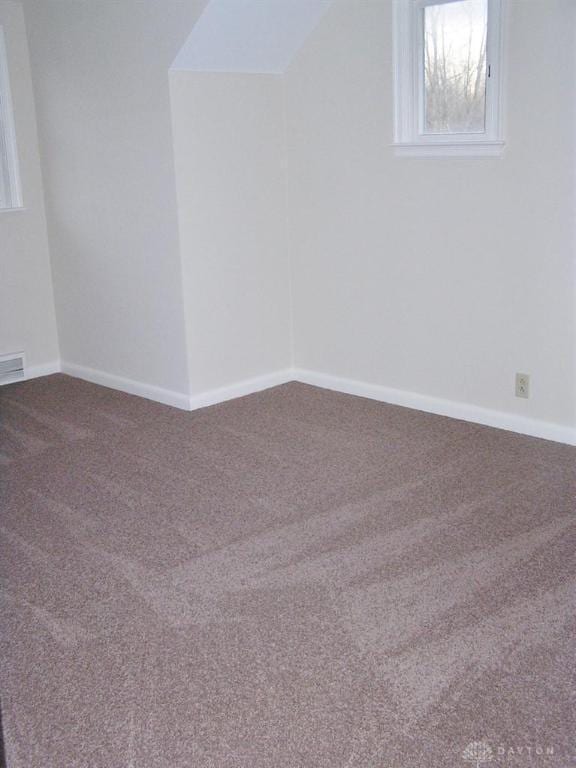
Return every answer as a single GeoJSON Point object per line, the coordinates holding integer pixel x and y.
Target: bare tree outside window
{"type": "Point", "coordinates": [455, 66]}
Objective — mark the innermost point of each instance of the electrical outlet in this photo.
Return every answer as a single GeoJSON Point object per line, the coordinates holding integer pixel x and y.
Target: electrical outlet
{"type": "Point", "coordinates": [522, 385]}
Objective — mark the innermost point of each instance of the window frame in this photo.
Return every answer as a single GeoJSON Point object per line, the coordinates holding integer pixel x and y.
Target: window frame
{"type": "Point", "coordinates": [409, 138]}
{"type": "Point", "coordinates": [10, 185]}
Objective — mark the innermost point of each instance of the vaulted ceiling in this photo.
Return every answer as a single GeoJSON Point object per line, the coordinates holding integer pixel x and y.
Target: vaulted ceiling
{"type": "Point", "coordinates": [249, 35]}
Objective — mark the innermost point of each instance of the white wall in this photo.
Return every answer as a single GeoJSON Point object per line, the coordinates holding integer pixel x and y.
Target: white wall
{"type": "Point", "coordinates": [101, 81]}
{"type": "Point", "coordinates": [27, 319]}
{"type": "Point", "coordinates": [442, 277]}
{"type": "Point", "coordinates": [229, 159]}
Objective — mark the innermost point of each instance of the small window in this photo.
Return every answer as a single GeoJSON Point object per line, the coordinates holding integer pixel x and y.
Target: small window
{"type": "Point", "coordinates": [10, 196]}
{"type": "Point", "coordinates": [447, 77]}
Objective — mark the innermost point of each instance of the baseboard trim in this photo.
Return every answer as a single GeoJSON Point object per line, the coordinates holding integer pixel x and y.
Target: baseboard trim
{"type": "Point", "coordinates": [240, 389]}
{"type": "Point", "coordinates": [178, 399]}
{"type": "Point", "coordinates": [456, 410]}
{"type": "Point", "coordinates": [132, 387]}
{"type": "Point", "coordinates": [46, 369]}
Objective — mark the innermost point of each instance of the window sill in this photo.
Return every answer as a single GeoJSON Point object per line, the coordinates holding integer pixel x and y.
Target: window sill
{"type": "Point", "coordinates": [450, 149]}
{"type": "Point", "coordinates": [16, 209]}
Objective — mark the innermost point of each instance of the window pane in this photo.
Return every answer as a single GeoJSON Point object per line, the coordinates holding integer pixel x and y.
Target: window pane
{"type": "Point", "coordinates": [455, 67]}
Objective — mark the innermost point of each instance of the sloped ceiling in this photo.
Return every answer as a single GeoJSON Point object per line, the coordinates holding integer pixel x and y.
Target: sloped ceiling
{"type": "Point", "coordinates": [259, 36]}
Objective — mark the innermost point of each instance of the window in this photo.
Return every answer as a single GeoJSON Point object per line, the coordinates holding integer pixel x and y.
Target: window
{"type": "Point", "coordinates": [10, 196]}
{"type": "Point", "coordinates": [447, 77]}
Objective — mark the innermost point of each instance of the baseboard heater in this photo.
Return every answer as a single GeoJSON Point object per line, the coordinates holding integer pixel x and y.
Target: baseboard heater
{"type": "Point", "coordinates": [12, 368]}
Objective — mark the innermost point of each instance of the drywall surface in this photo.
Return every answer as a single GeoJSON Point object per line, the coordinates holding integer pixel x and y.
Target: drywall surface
{"type": "Point", "coordinates": [229, 159]}
{"type": "Point", "coordinates": [436, 276]}
{"type": "Point", "coordinates": [249, 35]}
{"type": "Point", "coordinates": [27, 318]}
{"type": "Point", "coordinates": [101, 80]}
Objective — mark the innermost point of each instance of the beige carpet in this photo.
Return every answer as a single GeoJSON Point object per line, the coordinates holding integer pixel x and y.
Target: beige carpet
{"type": "Point", "coordinates": [296, 579]}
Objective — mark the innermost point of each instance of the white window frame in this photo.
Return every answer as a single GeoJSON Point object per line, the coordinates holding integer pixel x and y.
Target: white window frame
{"type": "Point", "coordinates": [409, 137]}
{"type": "Point", "coordinates": [10, 188]}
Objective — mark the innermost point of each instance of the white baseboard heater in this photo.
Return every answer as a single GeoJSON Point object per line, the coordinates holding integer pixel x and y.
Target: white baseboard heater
{"type": "Point", "coordinates": [12, 368]}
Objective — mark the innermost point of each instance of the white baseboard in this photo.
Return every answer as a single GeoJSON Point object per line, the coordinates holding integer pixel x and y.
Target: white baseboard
{"type": "Point", "coordinates": [178, 399]}
{"type": "Point", "coordinates": [160, 395]}
{"type": "Point", "coordinates": [46, 369]}
{"type": "Point", "coordinates": [241, 388]}
{"type": "Point", "coordinates": [456, 410]}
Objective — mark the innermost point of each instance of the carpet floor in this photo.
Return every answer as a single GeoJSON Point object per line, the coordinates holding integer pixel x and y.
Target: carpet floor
{"type": "Point", "coordinates": [294, 579]}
